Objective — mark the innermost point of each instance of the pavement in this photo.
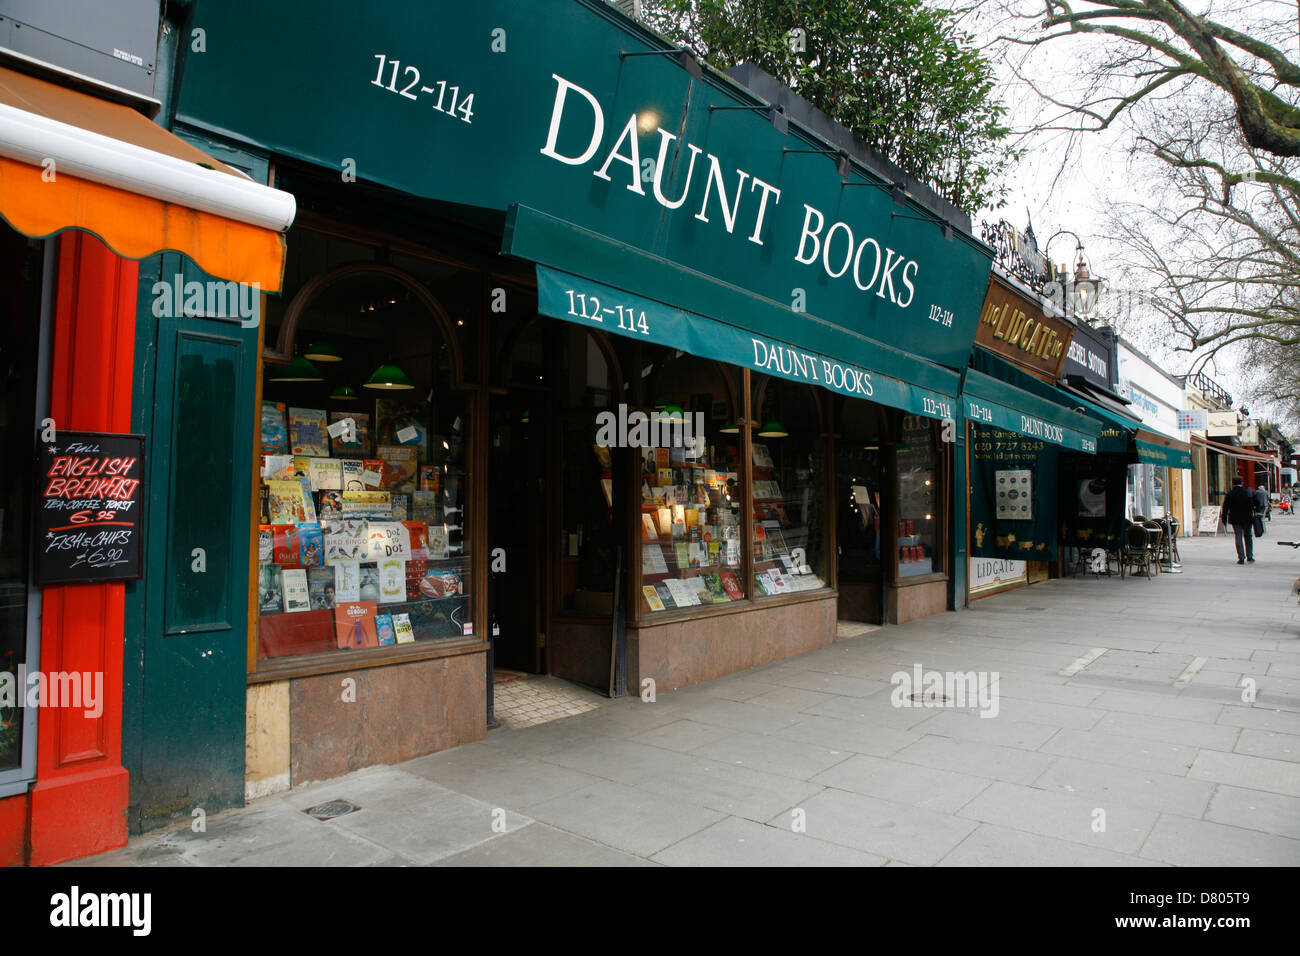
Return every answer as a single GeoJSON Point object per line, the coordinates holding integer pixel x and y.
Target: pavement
{"type": "Point", "coordinates": [1130, 723]}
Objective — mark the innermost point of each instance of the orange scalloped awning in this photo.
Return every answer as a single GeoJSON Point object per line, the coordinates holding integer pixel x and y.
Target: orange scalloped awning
{"type": "Point", "coordinates": [135, 226]}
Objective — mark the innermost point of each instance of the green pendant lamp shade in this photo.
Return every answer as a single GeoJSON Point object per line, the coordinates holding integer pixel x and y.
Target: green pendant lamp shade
{"type": "Point", "coordinates": [299, 370]}
{"type": "Point", "coordinates": [773, 429]}
{"type": "Point", "coordinates": [730, 428]}
{"type": "Point", "coordinates": [673, 414]}
{"type": "Point", "coordinates": [344, 393]}
{"type": "Point", "coordinates": [389, 376]}
{"type": "Point", "coordinates": [323, 352]}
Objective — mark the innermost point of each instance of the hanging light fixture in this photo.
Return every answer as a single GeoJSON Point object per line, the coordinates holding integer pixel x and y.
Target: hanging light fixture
{"type": "Point", "coordinates": [389, 376]}
{"type": "Point", "coordinates": [299, 370]}
{"type": "Point", "coordinates": [321, 351]}
{"type": "Point", "coordinates": [731, 428]}
{"type": "Point", "coordinates": [344, 393]}
{"type": "Point", "coordinates": [773, 429]}
{"type": "Point", "coordinates": [673, 414]}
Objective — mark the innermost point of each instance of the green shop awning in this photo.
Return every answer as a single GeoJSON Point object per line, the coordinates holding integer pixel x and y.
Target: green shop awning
{"type": "Point", "coordinates": [990, 401]}
{"type": "Point", "coordinates": [1154, 449]}
{"type": "Point", "coordinates": [999, 394]}
{"type": "Point", "coordinates": [1117, 431]}
{"type": "Point", "coordinates": [603, 284]}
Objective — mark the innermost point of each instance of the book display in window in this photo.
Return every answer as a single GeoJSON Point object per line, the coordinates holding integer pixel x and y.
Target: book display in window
{"type": "Point", "coordinates": [781, 535]}
{"type": "Point", "coordinates": [689, 514]}
{"type": "Point", "coordinates": [307, 432]}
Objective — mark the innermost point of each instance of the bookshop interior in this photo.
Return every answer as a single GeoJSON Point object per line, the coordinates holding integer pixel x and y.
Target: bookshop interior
{"type": "Point", "coordinates": [416, 412]}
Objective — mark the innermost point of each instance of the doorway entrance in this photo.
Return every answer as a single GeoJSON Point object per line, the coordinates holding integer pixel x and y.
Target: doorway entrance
{"type": "Point", "coordinates": [861, 507]}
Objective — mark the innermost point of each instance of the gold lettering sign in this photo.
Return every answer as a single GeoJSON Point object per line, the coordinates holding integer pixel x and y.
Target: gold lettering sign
{"type": "Point", "coordinates": [1018, 330]}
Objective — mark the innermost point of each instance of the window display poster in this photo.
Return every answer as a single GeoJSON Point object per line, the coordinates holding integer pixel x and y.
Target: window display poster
{"type": "Point", "coordinates": [1092, 497]}
{"type": "Point", "coordinates": [1015, 500]}
{"type": "Point", "coordinates": [1035, 533]}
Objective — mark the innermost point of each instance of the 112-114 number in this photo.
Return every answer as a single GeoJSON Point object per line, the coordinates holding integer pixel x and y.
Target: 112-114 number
{"type": "Point", "coordinates": [588, 307]}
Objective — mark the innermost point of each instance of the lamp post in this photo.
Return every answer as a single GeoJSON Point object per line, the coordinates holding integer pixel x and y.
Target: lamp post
{"type": "Point", "coordinates": [1081, 294]}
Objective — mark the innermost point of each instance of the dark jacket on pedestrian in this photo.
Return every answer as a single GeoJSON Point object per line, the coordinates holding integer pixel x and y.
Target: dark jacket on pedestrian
{"type": "Point", "coordinates": [1239, 505]}
{"type": "Point", "coordinates": [1262, 503]}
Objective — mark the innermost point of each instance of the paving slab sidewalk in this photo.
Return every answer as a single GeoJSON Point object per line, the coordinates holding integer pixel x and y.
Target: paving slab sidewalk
{"type": "Point", "coordinates": [1143, 757]}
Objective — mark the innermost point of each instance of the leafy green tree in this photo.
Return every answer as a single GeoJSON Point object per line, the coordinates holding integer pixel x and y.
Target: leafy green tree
{"type": "Point", "coordinates": [898, 74]}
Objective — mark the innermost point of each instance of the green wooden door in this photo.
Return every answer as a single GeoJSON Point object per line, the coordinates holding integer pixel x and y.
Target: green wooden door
{"type": "Point", "coordinates": [186, 622]}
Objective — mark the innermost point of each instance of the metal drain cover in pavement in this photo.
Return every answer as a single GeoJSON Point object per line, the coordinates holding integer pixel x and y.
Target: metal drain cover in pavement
{"type": "Point", "coordinates": [930, 698]}
{"type": "Point", "coordinates": [332, 809]}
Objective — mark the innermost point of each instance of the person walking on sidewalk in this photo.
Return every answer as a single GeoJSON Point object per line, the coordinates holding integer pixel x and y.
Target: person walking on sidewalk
{"type": "Point", "coordinates": [1239, 511]}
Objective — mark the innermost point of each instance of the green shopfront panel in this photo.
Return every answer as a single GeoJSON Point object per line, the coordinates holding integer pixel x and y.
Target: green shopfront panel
{"type": "Point", "coordinates": [501, 102]}
{"type": "Point", "coordinates": [183, 730]}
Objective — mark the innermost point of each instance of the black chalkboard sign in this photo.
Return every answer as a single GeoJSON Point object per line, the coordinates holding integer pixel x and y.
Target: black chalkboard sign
{"type": "Point", "coordinates": [90, 508]}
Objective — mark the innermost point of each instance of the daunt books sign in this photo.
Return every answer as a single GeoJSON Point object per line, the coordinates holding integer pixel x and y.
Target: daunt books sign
{"type": "Point", "coordinates": [567, 108]}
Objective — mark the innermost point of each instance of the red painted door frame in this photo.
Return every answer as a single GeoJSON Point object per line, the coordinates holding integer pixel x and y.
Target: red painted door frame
{"type": "Point", "coordinates": [79, 802]}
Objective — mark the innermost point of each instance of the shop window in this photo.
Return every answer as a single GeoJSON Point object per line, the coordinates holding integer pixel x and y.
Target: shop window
{"type": "Point", "coordinates": [362, 540]}
{"type": "Point", "coordinates": [919, 507]}
{"type": "Point", "coordinates": [789, 475]}
{"type": "Point", "coordinates": [20, 278]}
{"type": "Point", "coordinates": [690, 484]}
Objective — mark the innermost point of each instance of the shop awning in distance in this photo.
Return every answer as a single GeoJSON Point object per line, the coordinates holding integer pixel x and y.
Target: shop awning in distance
{"type": "Point", "coordinates": [1117, 430]}
{"type": "Point", "coordinates": [998, 394]}
{"type": "Point", "coordinates": [602, 284]}
{"type": "Point", "coordinates": [71, 161]}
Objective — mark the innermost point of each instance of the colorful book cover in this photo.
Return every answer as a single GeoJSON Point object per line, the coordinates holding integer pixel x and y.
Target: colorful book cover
{"type": "Point", "coordinates": [401, 473]}
{"type": "Point", "coordinates": [354, 624]}
{"type": "Point", "coordinates": [296, 595]}
{"type": "Point", "coordinates": [717, 592]}
{"type": "Point", "coordinates": [284, 545]}
{"type": "Point", "coordinates": [778, 580]}
{"type": "Point", "coordinates": [270, 592]}
{"type": "Point", "coordinates": [302, 466]}
{"type": "Point", "coordinates": [263, 504]}
{"type": "Point", "coordinates": [682, 552]}
{"type": "Point", "coordinates": [416, 568]}
{"type": "Point", "coordinates": [308, 503]}
{"type": "Point", "coordinates": [372, 473]}
{"type": "Point", "coordinates": [329, 507]}
{"type": "Point", "coordinates": [347, 541]}
{"type": "Point", "coordinates": [765, 585]}
{"type": "Point", "coordinates": [430, 476]}
{"type": "Point", "coordinates": [392, 580]}
{"type": "Point", "coordinates": [438, 548]}
{"type": "Point", "coordinates": [285, 499]}
{"type": "Point", "coordinates": [402, 629]}
{"type": "Point", "coordinates": [698, 555]}
{"type": "Point", "coordinates": [275, 436]}
{"type": "Point", "coordinates": [366, 504]}
{"type": "Point", "coordinates": [321, 588]}
{"type": "Point", "coordinates": [353, 469]}
{"type": "Point", "coordinates": [311, 545]}
{"type": "Point", "coordinates": [665, 595]}
{"type": "Point", "coordinates": [347, 580]}
{"type": "Point", "coordinates": [402, 423]}
{"type": "Point", "coordinates": [307, 435]}
{"type": "Point", "coordinates": [387, 539]}
{"type": "Point", "coordinates": [400, 503]}
{"type": "Point", "coordinates": [652, 597]}
{"type": "Point", "coordinates": [424, 506]}
{"type": "Point", "coordinates": [731, 584]}
{"type": "Point", "coordinates": [418, 532]}
{"type": "Point", "coordinates": [265, 543]}
{"type": "Point", "coordinates": [361, 433]}
{"type": "Point", "coordinates": [326, 474]}
{"type": "Point", "coordinates": [384, 632]}
{"type": "Point", "coordinates": [440, 584]}
{"type": "Point", "coordinates": [648, 532]}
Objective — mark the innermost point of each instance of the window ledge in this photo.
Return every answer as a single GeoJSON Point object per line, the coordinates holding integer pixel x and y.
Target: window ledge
{"type": "Point", "coordinates": [313, 665]}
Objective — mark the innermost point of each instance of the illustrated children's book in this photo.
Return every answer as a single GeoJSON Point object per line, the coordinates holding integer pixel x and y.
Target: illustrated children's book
{"type": "Point", "coordinates": [275, 436]}
{"type": "Point", "coordinates": [401, 462]}
{"type": "Point", "coordinates": [307, 435]}
{"type": "Point", "coordinates": [321, 588]}
{"type": "Point", "coordinates": [392, 580]}
{"type": "Point", "coordinates": [359, 447]}
{"type": "Point", "coordinates": [652, 597]}
{"type": "Point", "coordinates": [347, 580]}
{"type": "Point", "coordinates": [354, 624]}
{"type": "Point", "coordinates": [402, 628]}
{"type": "Point", "coordinates": [384, 630]}
{"type": "Point", "coordinates": [311, 545]}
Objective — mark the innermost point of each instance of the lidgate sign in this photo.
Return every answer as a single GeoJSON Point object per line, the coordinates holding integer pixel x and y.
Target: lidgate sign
{"type": "Point", "coordinates": [89, 508]}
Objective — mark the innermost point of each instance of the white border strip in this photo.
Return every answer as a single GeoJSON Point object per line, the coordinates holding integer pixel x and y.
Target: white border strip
{"type": "Point", "coordinates": [32, 138]}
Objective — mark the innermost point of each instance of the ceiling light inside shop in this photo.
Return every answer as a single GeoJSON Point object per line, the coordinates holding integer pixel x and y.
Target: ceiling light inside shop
{"type": "Point", "coordinates": [389, 376]}
{"type": "Point", "coordinates": [299, 370]}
